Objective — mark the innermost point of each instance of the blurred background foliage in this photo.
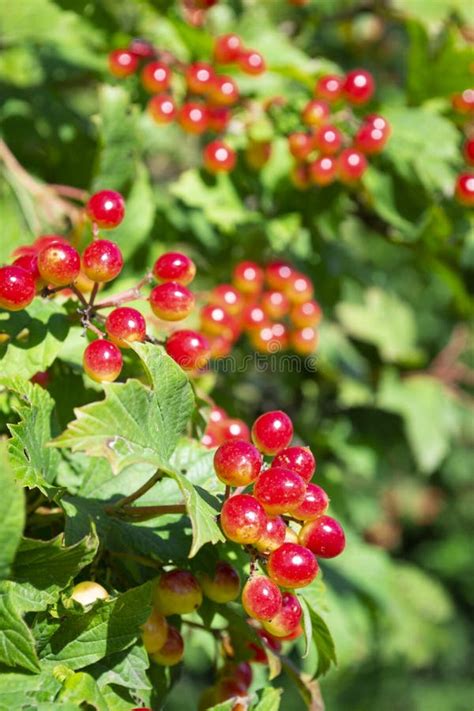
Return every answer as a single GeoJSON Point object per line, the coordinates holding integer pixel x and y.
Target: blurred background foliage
{"type": "Point", "coordinates": [389, 411]}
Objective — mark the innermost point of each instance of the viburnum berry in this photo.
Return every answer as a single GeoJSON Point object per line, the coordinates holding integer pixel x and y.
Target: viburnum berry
{"type": "Point", "coordinates": [224, 91]}
{"type": "Point", "coordinates": [288, 619]}
{"type": "Point", "coordinates": [156, 77]}
{"type": "Point", "coordinates": [217, 415]}
{"type": "Point", "coordinates": [17, 288]}
{"type": "Point", "coordinates": [468, 150]}
{"type": "Point", "coordinates": [258, 650]}
{"type": "Point", "coordinates": [106, 208]}
{"type": "Point", "coordinates": [210, 439]}
{"type": "Point", "coordinates": [29, 262]}
{"type": "Point", "coordinates": [328, 139]}
{"type": "Point", "coordinates": [231, 429]}
{"type": "Point", "coordinates": [304, 341]}
{"type": "Point", "coordinates": [464, 190]}
{"type": "Point", "coordinates": [44, 241]}
{"type": "Point", "coordinates": [300, 176]}
{"type": "Point", "coordinates": [315, 113]}
{"type": "Point", "coordinates": [219, 157]}
{"type": "Point", "coordinates": [141, 48]}
{"type": "Point", "coordinates": [122, 63]}
{"type": "Point", "coordinates": [102, 260]}
{"type": "Point", "coordinates": [247, 277]}
{"type": "Point", "coordinates": [215, 321]}
{"type": "Point", "coordinates": [314, 504]}
{"type": "Point", "coordinates": [278, 275]}
{"type": "Point", "coordinates": [324, 537]}
{"type": "Point", "coordinates": [242, 671]}
{"type": "Point", "coordinates": [223, 586]}
{"type": "Point", "coordinates": [261, 598]}
{"type": "Point", "coordinates": [218, 118]}
{"type": "Point", "coordinates": [254, 317]}
{"type": "Point", "coordinates": [292, 566]}
{"type": "Point", "coordinates": [42, 378]}
{"type": "Point", "coordinates": [370, 140]}
{"type": "Point", "coordinates": [351, 165]}
{"type": "Point", "coordinates": [300, 144]}
{"type": "Point", "coordinates": [464, 102]}
{"type": "Point", "coordinates": [154, 632]}
{"type": "Point", "coordinates": [379, 122]}
{"type": "Point", "coordinates": [279, 490]}
{"type": "Point", "coordinates": [270, 338]}
{"type": "Point", "coordinates": [251, 62]}
{"type": "Point", "coordinates": [59, 264]}
{"type": "Point", "coordinates": [162, 108]}
{"type": "Point", "coordinates": [193, 117]}
{"type": "Point", "coordinates": [124, 326]}
{"type": "Point", "coordinates": [299, 288]}
{"type": "Point", "coordinates": [227, 48]}
{"type": "Point", "coordinates": [359, 86]}
{"type": "Point", "coordinates": [275, 304]}
{"type": "Point", "coordinates": [174, 266]}
{"type": "Point", "coordinates": [294, 634]}
{"type": "Point", "coordinates": [171, 301]}
{"type": "Point", "coordinates": [272, 432]}
{"type": "Point", "coordinates": [298, 459]}
{"type": "Point", "coordinates": [199, 77]}
{"type": "Point", "coordinates": [237, 463]}
{"type": "Point", "coordinates": [323, 171]}
{"type": "Point", "coordinates": [229, 688]}
{"type": "Point", "coordinates": [243, 519]}
{"type": "Point", "coordinates": [273, 536]}
{"type": "Point", "coordinates": [308, 313]}
{"type": "Point", "coordinates": [229, 298]}
{"type": "Point", "coordinates": [329, 87]}
{"type": "Point", "coordinates": [88, 592]}
{"type": "Point", "coordinates": [177, 592]}
{"type": "Point", "coordinates": [172, 651]}
{"type": "Point", "coordinates": [189, 349]}
{"type": "Point", "coordinates": [102, 361]}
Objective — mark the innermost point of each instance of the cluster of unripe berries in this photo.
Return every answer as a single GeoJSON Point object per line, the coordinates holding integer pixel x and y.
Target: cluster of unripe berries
{"type": "Point", "coordinates": [463, 104]}
{"type": "Point", "coordinates": [209, 95]}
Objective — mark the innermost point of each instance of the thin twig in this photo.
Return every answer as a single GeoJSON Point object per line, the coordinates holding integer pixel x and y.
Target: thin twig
{"type": "Point", "coordinates": [124, 501]}
{"type": "Point", "coordinates": [129, 295]}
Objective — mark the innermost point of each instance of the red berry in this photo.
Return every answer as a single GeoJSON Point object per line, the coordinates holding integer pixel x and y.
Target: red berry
{"type": "Point", "coordinates": [221, 346]}
{"type": "Point", "coordinates": [308, 313]}
{"type": "Point", "coordinates": [275, 304]}
{"type": "Point", "coordinates": [261, 598]}
{"type": "Point", "coordinates": [254, 317]}
{"type": "Point", "coordinates": [329, 87]}
{"type": "Point", "coordinates": [172, 651]}
{"type": "Point", "coordinates": [279, 490]}
{"type": "Point", "coordinates": [229, 688]}
{"type": "Point", "coordinates": [315, 113]}
{"type": "Point", "coordinates": [323, 171]}
{"type": "Point", "coordinates": [292, 566]}
{"type": "Point", "coordinates": [223, 586]}
{"type": "Point", "coordinates": [224, 91]}
{"type": "Point", "coordinates": [154, 632]}
{"type": "Point", "coordinates": [177, 592]}
{"type": "Point", "coordinates": [156, 77]}
{"type": "Point", "coordinates": [199, 77]}
{"type": "Point", "coordinates": [216, 321]}
{"type": "Point", "coordinates": [465, 189]}
{"type": "Point", "coordinates": [314, 504]}
{"type": "Point", "coordinates": [304, 341]}
{"type": "Point", "coordinates": [259, 654]}
{"type": "Point", "coordinates": [370, 140]}
{"type": "Point", "coordinates": [242, 672]}
{"type": "Point", "coordinates": [469, 151]}
{"type": "Point", "coordinates": [273, 536]}
{"type": "Point", "coordinates": [379, 122]}
{"type": "Point", "coordinates": [102, 361]}
{"type": "Point", "coordinates": [243, 519]}
{"type": "Point", "coordinates": [464, 102]}
{"type": "Point", "coordinates": [297, 632]}
{"type": "Point", "coordinates": [328, 139]}
{"type": "Point", "coordinates": [300, 176]}
{"type": "Point", "coordinates": [219, 157]}
{"type": "Point", "coordinates": [288, 619]}
{"type": "Point", "coordinates": [17, 288]}
{"type": "Point", "coordinates": [189, 349]}
{"type": "Point", "coordinates": [351, 165]}
{"type": "Point", "coordinates": [270, 338]}
{"type": "Point", "coordinates": [162, 108]}
{"type": "Point", "coordinates": [171, 301]}
{"type": "Point", "coordinates": [231, 429]}
{"type": "Point", "coordinates": [174, 266]}
{"type": "Point", "coordinates": [227, 48]}
{"type": "Point", "coordinates": [247, 277]}
{"type": "Point", "coordinates": [106, 208]}
{"type": "Point", "coordinates": [218, 118]}
{"type": "Point", "coordinates": [237, 463]}
{"type": "Point", "coordinates": [300, 144]}
{"type": "Point", "coordinates": [251, 62]}
{"type": "Point", "coordinates": [298, 459]}
{"type": "Point", "coordinates": [59, 264]}
{"type": "Point", "coordinates": [42, 378]}
{"type": "Point", "coordinates": [217, 415]}
{"type": "Point", "coordinates": [272, 432]}
{"type": "Point", "coordinates": [193, 118]}
{"type": "Point", "coordinates": [29, 262]}
{"type": "Point", "coordinates": [359, 86]}
{"type": "Point", "coordinates": [324, 537]}
{"type": "Point", "coordinates": [46, 240]}
{"type": "Point", "coordinates": [226, 296]}
{"type": "Point", "coordinates": [124, 326]}
{"type": "Point", "coordinates": [141, 48]}
{"type": "Point", "coordinates": [102, 260]}
{"type": "Point", "coordinates": [299, 288]}
{"type": "Point", "coordinates": [210, 439]}
{"type": "Point", "coordinates": [278, 275]}
{"type": "Point", "coordinates": [122, 63]}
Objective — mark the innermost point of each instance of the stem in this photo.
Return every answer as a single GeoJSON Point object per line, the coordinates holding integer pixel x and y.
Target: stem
{"type": "Point", "coordinates": [79, 295]}
{"type": "Point", "coordinates": [228, 492]}
{"type": "Point", "coordinates": [145, 513]}
{"type": "Point", "coordinates": [129, 295]}
{"type": "Point", "coordinates": [94, 291]}
{"type": "Point", "coordinates": [70, 192]}
{"type": "Point", "coordinates": [136, 494]}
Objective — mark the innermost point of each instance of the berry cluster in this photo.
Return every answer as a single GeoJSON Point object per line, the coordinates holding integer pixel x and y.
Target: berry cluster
{"type": "Point", "coordinates": [463, 104]}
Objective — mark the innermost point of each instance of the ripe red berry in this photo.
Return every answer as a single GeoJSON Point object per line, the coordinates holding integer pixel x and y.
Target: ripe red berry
{"type": "Point", "coordinates": [174, 266]}
{"type": "Point", "coordinates": [298, 459]}
{"type": "Point", "coordinates": [275, 304]}
{"type": "Point", "coordinates": [219, 157]}
{"type": "Point", "coordinates": [270, 338]}
{"type": "Point", "coordinates": [261, 598]}
{"type": "Point", "coordinates": [328, 139]}
{"type": "Point", "coordinates": [154, 632]}
{"type": "Point", "coordinates": [218, 118]}
{"type": "Point", "coordinates": [172, 651]}
{"type": "Point", "coordinates": [351, 165]}
{"type": "Point", "coordinates": [162, 108]}
{"type": "Point", "coordinates": [226, 296]}
{"type": "Point", "coordinates": [193, 118]}
{"type": "Point", "coordinates": [288, 619]}
{"type": "Point", "coordinates": [300, 144]}
{"type": "Point", "coordinates": [324, 537]}
{"type": "Point", "coordinates": [323, 171]}
{"type": "Point", "coordinates": [227, 49]}
{"type": "Point", "coordinates": [210, 439]}
{"type": "Point", "coordinates": [59, 264]}
{"type": "Point", "coordinates": [223, 586]}
{"type": "Point", "coordinates": [304, 341]}
{"type": "Point", "coordinates": [156, 77]}
{"type": "Point", "coordinates": [171, 301]}
{"type": "Point", "coordinates": [359, 86]}
{"type": "Point", "coordinates": [237, 463]}
{"type": "Point", "coordinates": [258, 650]}
{"type": "Point", "coordinates": [299, 288]}
{"type": "Point", "coordinates": [370, 140]}
{"type": "Point", "coordinates": [221, 346]}
{"type": "Point", "coordinates": [124, 326]}
{"type": "Point", "coordinates": [17, 288]}
{"type": "Point", "coordinates": [102, 260]}
{"type": "Point", "coordinates": [141, 48]}
{"type": "Point", "coordinates": [122, 63]}
{"type": "Point", "coordinates": [469, 151]}
{"type": "Point", "coordinates": [315, 113]}
{"type": "Point", "coordinates": [177, 592]}
{"type": "Point", "coordinates": [329, 87]}
{"type": "Point", "coordinates": [199, 77]}
{"type": "Point", "coordinates": [292, 566]}
{"type": "Point", "coordinates": [314, 504]}
{"type": "Point", "coordinates": [308, 313]}
{"type": "Point", "coordinates": [251, 62]}
{"type": "Point", "coordinates": [242, 672]}
{"type": "Point", "coordinates": [229, 688]}
{"type": "Point", "coordinates": [216, 321]}
{"type": "Point", "coordinates": [379, 122]}
{"type": "Point", "coordinates": [29, 262]}
{"type": "Point", "coordinates": [465, 189]}
{"type": "Point", "coordinates": [217, 415]}
{"type": "Point", "coordinates": [273, 536]}
{"type": "Point", "coordinates": [106, 208]}
{"type": "Point", "coordinates": [247, 277]}
{"type": "Point", "coordinates": [102, 361]}
{"type": "Point", "coordinates": [189, 349]}
{"type": "Point", "coordinates": [254, 317]}
{"type": "Point", "coordinates": [464, 102]}
{"type": "Point", "coordinates": [243, 519]}
{"type": "Point", "coordinates": [278, 275]}
{"type": "Point", "coordinates": [279, 490]}
{"type": "Point", "coordinates": [231, 429]}
{"type": "Point", "coordinates": [272, 432]}
{"type": "Point", "coordinates": [224, 91]}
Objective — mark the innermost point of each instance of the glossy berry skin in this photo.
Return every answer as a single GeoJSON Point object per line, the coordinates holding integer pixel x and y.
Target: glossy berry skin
{"type": "Point", "coordinates": [174, 266]}
{"type": "Point", "coordinates": [328, 140]}
{"type": "Point", "coordinates": [219, 157]}
{"type": "Point", "coordinates": [248, 277]}
{"type": "Point", "coordinates": [279, 490]}
{"type": "Point", "coordinates": [370, 140]}
{"type": "Point", "coordinates": [224, 91]}
{"type": "Point", "coordinates": [122, 63]}
{"type": "Point", "coordinates": [359, 86]}
{"type": "Point", "coordinates": [242, 672]}
{"type": "Point", "coordinates": [177, 592]}
{"type": "Point", "coordinates": [218, 118]}
{"type": "Point", "coordinates": [243, 519]}
{"type": "Point", "coordinates": [162, 108]}
{"type": "Point", "coordinates": [275, 304]}
{"type": "Point", "coordinates": [304, 341]}
{"type": "Point", "coordinates": [298, 459]}
{"type": "Point", "coordinates": [292, 566]}
{"type": "Point", "coordinates": [261, 598]}
{"type": "Point", "coordinates": [237, 463]}
{"type": "Point", "coordinates": [154, 632]}
{"type": "Point", "coordinates": [189, 349]}
{"type": "Point", "coordinates": [216, 321]}
{"type": "Point", "coordinates": [300, 144]}
{"type": "Point", "coordinates": [271, 338]}
{"type": "Point", "coordinates": [229, 298]}
{"type": "Point", "coordinates": [124, 326]}
{"type": "Point", "coordinates": [88, 592]}
{"type": "Point", "coordinates": [17, 288]}
{"type": "Point", "coordinates": [278, 275]}
{"type": "Point", "coordinates": [351, 165]}
{"type": "Point", "coordinates": [156, 77]}
{"type": "Point", "coordinates": [171, 301]}
{"type": "Point", "coordinates": [464, 102]}
{"type": "Point", "coordinates": [172, 651]}
{"type": "Point", "coordinates": [272, 432]}
{"type": "Point", "coordinates": [379, 122]}
{"type": "Point", "coordinates": [308, 313]}
{"type": "Point", "coordinates": [102, 361]}
{"type": "Point", "coordinates": [273, 536]}
{"type": "Point", "coordinates": [315, 113]}
{"type": "Point", "coordinates": [465, 189]}
{"type": "Point", "coordinates": [141, 48]}
{"type": "Point", "coordinates": [193, 118]}
{"type": "Point", "coordinates": [251, 62]}
{"type": "Point", "coordinates": [223, 586]}
{"type": "Point", "coordinates": [229, 688]}
{"type": "Point", "coordinates": [299, 288]}
{"type": "Point", "coordinates": [297, 632]}
{"type": "Point", "coordinates": [45, 241]}
{"type": "Point", "coordinates": [254, 317]}
{"type": "Point", "coordinates": [314, 504]}
{"type": "Point", "coordinates": [217, 415]}
{"type": "Point", "coordinates": [258, 650]}
{"type": "Point", "coordinates": [232, 429]}
{"type": "Point", "coordinates": [329, 87]}
{"type": "Point", "coordinates": [227, 49]}
{"type": "Point", "coordinates": [199, 77]}
{"type": "Point", "coordinates": [323, 171]}
{"type": "Point", "coordinates": [221, 347]}
{"type": "Point", "coordinates": [106, 208]}
{"type": "Point", "coordinates": [102, 260]}
{"type": "Point", "coordinates": [288, 619]}
{"type": "Point", "coordinates": [29, 262]}
{"type": "Point", "coordinates": [468, 151]}
{"type": "Point", "coordinates": [59, 264]}
{"type": "Point", "coordinates": [324, 537]}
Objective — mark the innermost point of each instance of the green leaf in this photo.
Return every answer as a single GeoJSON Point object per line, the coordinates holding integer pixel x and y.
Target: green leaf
{"type": "Point", "coordinates": [19, 690]}
{"type": "Point", "coordinates": [380, 186]}
{"type": "Point", "coordinates": [126, 669]}
{"type": "Point", "coordinates": [434, 11]}
{"type": "Point", "coordinates": [269, 701]}
{"type": "Point", "coordinates": [321, 637]}
{"type": "Point", "coordinates": [17, 647]}
{"type": "Point", "coordinates": [79, 688]}
{"type": "Point", "coordinates": [12, 514]}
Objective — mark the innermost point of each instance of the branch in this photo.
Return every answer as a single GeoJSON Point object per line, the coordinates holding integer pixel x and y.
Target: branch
{"type": "Point", "coordinates": [129, 295]}
{"type": "Point", "coordinates": [126, 500]}
{"type": "Point", "coordinates": [145, 513]}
